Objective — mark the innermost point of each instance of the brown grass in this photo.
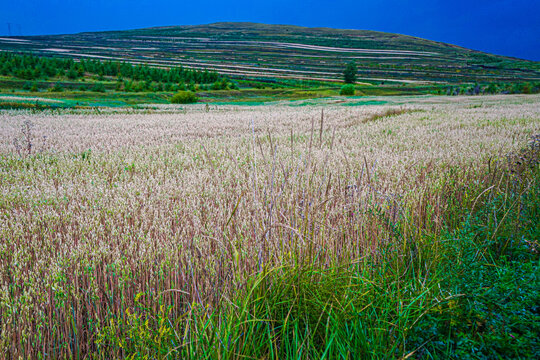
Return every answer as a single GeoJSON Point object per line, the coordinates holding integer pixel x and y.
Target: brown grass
{"type": "Point", "coordinates": [390, 112]}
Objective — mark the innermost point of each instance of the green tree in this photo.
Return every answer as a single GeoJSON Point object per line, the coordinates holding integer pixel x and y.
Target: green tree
{"type": "Point", "coordinates": [72, 73]}
{"type": "Point", "coordinates": [349, 75]}
{"type": "Point", "coordinates": [491, 89]}
{"type": "Point", "coordinates": [57, 87]}
{"type": "Point", "coordinates": [99, 87]}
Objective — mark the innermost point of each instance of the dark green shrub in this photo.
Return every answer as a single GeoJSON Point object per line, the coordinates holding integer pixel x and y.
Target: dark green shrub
{"type": "Point", "coordinates": [347, 90]}
{"type": "Point", "coordinates": [491, 89]}
{"type": "Point", "coordinates": [138, 86]}
{"type": "Point", "coordinates": [184, 97]}
{"type": "Point", "coordinates": [128, 86]}
{"type": "Point", "coordinates": [57, 88]}
{"type": "Point", "coordinates": [99, 87]}
{"type": "Point", "coordinates": [72, 73]}
{"type": "Point", "coordinates": [180, 87]}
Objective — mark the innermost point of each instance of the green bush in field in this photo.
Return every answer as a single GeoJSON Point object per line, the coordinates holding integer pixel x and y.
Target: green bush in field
{"type": "Point", "coordinates": [99, 87]}
{"type": "Point", "coordinates": [216, 86]}
{"type": "Point", "coordinates": [184, 97]}
{"type": "Point", "coordinates": [57, 88]}
{"type": "Point", "coordinates": [347, 90]}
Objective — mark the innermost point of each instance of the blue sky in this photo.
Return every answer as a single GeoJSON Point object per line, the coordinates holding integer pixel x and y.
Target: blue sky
{"type": "Point", "coordinates": [505, 27]}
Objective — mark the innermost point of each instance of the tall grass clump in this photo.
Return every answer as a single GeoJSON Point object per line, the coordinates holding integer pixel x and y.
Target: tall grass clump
{"type": "Point", "coordinates": [492, 264]}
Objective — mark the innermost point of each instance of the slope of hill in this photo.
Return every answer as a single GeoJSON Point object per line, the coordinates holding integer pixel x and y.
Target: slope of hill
{"type": "Point", "coordinates": [283, 51]}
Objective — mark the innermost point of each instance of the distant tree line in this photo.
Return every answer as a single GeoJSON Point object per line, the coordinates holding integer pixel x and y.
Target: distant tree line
{"type": "Point", "coordinates": [492, 88]}
{"type": "Point", "coordinates": [129, 77]}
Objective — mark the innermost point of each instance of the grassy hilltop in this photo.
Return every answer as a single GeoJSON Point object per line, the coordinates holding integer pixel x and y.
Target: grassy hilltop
{"type": "Point", "coordinates": [284, 51]}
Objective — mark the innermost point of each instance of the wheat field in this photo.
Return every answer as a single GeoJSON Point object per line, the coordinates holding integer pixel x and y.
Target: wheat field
{"type": "Point", "coordinates": [180, 207]}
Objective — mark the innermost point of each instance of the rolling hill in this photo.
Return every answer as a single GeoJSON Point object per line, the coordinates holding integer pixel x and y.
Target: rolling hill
{"type": "Point", "coordinates": [286, 52]}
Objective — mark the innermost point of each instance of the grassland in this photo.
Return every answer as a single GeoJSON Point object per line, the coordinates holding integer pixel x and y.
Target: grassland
{"type": "Point", "coordinates": [332, 230]}
{"type": "Point", "coordinates": [275, 53]}
{"type": "Point", "coordinates": [12, 98]}
{"type": "Point", "coordinates": [78, 99]}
